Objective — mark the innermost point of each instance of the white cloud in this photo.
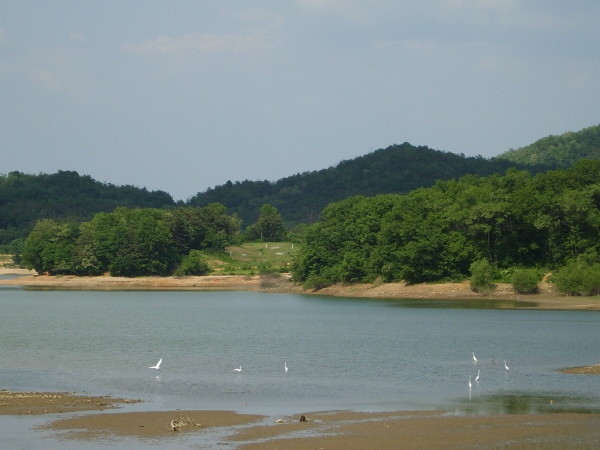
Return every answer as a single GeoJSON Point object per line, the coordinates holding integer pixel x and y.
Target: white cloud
{"type": "Point", "coordinates": [57, 72]}
{"type": "Point", "coordinates": [356, 11]}
{"type": "Point", "coordinates": [249, 44]}
{"type": "Point", "coordinates": [76, 37]}
{"type": "Point", "coordinates": [516, 14]}
{"type": "Point", "coordinates": [43, 79]}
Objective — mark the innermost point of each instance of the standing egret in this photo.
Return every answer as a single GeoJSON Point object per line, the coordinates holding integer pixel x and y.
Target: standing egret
{"type": "Point", "coordinates": [474, 359]}
{"type": "Point", "coordinates": [505, 366]}
{"type": "Point", "coordinates": [477, 377]}
{"type": "Point", "coordinates": [469, 382]}
{"type": "Point", "coordinates": [157, 366]}
{"type": "Point", "coordinates": [285, 366]}
{"type": "Point", "coordinates": [238, 370]}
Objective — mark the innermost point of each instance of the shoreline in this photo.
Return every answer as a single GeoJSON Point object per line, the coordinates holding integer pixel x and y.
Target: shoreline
{"type": "Point", "coordinates": [102, 419]}
{"type": "Point", "coordinates": [502, 297]}
{"type": "Point", "coordinates": [322, 429]}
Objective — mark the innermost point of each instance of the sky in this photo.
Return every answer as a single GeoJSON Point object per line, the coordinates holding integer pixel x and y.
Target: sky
{"type": "Point", "coordinates": [181, 96]}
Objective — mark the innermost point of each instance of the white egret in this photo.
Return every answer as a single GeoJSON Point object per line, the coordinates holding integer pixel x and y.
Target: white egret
{"type": "Point", "coordinates": [474, 359]}
{"type": "Point", "coordinates": [285, 366]}
{"type": "Point", "coordinates": [157, 366]}
{"type": "Point", "coordinates": [469, 382]}
{"type": "Point", "coordinates": [477, 377]}
{"type": "Point", "coordinates": [238, 370]}
{"type": "Point", "coordinates": [505, 366]}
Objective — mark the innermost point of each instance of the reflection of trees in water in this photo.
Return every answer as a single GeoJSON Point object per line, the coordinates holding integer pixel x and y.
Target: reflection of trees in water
{"type": "Point", "coordinates": [523, 403]}
{"type": "Point", "coordinates": [465, 304]}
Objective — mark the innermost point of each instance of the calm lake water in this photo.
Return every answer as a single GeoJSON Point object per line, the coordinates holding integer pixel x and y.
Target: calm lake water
{"type": "Point", "coordinates": [367, 355]}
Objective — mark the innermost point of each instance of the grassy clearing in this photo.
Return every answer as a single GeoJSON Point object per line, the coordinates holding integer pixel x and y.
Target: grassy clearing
{"type": "Point", "coordinates": [254, 258]}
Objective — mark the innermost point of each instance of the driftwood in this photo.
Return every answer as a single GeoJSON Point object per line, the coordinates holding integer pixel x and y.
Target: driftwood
{"type": "Point", "coordinates": [187, 422]}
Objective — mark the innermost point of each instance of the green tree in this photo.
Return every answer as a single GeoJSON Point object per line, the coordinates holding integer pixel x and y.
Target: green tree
{"type": "Point", "coordinates": [578, 278]}
{"type": "Point", "coordinates": [130, 242]}
{"type": "Point", "coordinates": [482, 276]}
{"type": "Point", "coordinates": [16, 248]}
{"type": "Point", "coordinates": [49, 247]}
{"type": "Point", "coordinates": [269, 226]}
{"type": "Point", "coordinates": [192, 264]}
{"type": "Point", "coordinates": [526, 281]}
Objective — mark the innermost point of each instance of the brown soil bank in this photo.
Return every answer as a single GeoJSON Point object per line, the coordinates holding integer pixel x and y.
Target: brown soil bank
{"type": "Point", "coordinates": [347, 430]}
{"type": "Point", "coordinates": [503, 296]}
{"type": "Point", "coordinates": [18, 403]}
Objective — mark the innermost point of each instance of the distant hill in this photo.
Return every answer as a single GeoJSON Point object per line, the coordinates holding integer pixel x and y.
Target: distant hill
{"type": "Point", "coordinates": [396, 169]}
{"type": "Point", "coordinates": [558, 151]}
{"type": "Point", "coordinates": [65, 196]}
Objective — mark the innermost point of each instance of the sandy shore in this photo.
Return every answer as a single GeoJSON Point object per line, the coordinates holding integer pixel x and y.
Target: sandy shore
{"type": "Point", "coordinates": [323, 430]}
{"type": "Point", "coordinates": [346, 429]}
{"type": "Point", "coordinates": [502, 297]}
{"type": "Point", "coordinates": [32, 403]}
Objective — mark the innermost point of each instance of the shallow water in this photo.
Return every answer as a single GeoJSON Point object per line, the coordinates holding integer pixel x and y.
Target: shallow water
{"type": "Point", "coordinates": [367, 355]}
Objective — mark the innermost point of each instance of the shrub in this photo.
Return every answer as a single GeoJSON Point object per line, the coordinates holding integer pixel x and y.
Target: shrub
{"type": "Point", "coordinates": [265, 268]}
{"type": "Point", "coordinates": [192, 264]}
{"type": "Point", "coordinates": [578, 279]}
{"type": "Point", "coordinates": [526, 281]}
{"type": "Point", "coordinates": [316, 282]}
{"type": "Point", "coordinates": [482, 275]}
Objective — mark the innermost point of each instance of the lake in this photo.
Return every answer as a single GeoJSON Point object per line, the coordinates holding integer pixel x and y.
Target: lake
{"type": "Point", "coordinates": [362, 354]}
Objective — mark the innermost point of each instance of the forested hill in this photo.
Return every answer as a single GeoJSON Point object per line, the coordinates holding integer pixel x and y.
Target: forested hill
{"type": "Point", "coordinates": [396, 169]}
{"type": "Point", "coordinates": [64, 196]}
{"type": "Point", "coordinates": [559, 151]}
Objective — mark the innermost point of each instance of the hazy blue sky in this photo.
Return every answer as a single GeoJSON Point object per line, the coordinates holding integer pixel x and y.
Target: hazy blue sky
{"type": "Point", "coordinates": [185, 95]}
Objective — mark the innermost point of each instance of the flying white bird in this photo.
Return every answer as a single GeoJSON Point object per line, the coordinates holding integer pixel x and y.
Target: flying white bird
{"type": "Point", "coordinates": [477, 377]}
{"type": "Point", "coordinates": [474, 359]}
{"type": "Point", "coordinates": [505, 366]}
{"type": "Point", "coordinates": [238, 370]}
{"type": "Point", "coordinates": [285, 366]}
{"type": "Point", "coordinates": [157, 366]}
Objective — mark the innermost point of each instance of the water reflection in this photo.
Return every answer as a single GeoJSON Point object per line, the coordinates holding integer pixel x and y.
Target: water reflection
{"type": "Point", "coordinates": [464, 304]}
{"type": "Point", "coordinates": [528, 403]}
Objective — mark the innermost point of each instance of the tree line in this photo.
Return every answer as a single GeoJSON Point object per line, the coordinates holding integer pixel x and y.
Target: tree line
{"type": "Point", "coordinates": [64, 196]}
{"type": "Point", "coordinates": [142, 241]}
{"type": "Point", "coordinates": [558, 151]}
{"type": "Point", "coordinates": [131, 242]}
{"type": "Point", "coordinates": [514, 220]}
{"type": "Point", "coordinates": [396, 169]}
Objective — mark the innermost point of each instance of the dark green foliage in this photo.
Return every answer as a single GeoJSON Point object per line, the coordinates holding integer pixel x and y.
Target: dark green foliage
{"type": "Point", "coordinates": [65, 196]}
{"type": "Point", "coordinates": [434, 234]}
{"type": "Point", "coordinates": [482, 276]}
{"type": "Point", "coordinates": [192, 264]}
{"type": "Point", "coordinates": [526, 281]}
{"type": "Point", "coordinates": [268, 228]}
{"type": "Point", "coordinates": [208, 228]}
{"type": "Point", "coordinates": [316, 282]}
{"type": "Point", "coordinates": [558, 151]}
{"type": "Point", "coordinates": [578, 278]}
{"type": "Point", "coordinates": [49, 247]}
{"type": "Point", "coordinates": [339, 247]}
{"type": "Point", "coordinates": [16, 249]}
{"type": "Point", "coordinates": [130, 242]}
{"type": "Point", "coordinates": [300, 198]}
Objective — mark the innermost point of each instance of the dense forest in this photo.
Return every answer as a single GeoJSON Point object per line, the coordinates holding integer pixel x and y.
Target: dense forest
{"type": "Point", "coordinates": [131, 242]}
{"type": "Point", "coordinates": [397, 169]}
{"type": "Point", "coordinates": [514, 220]}
{"type": "Point", "coordinates": [65, 196]}
{"type": "Point", "coordinates": [400, 213]}
{"type": "Point", "coordinates": [558, 151]}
